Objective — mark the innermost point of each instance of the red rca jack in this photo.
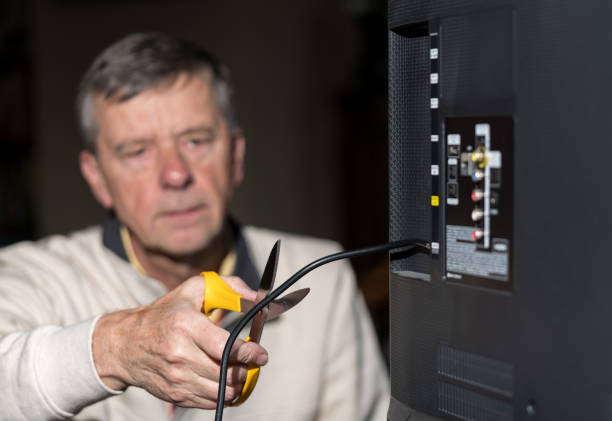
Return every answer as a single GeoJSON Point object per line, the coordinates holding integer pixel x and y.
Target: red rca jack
{"type": "Point", "coordinates": [477, 234]}
{"type": "Point", "coordinates": [477, 195]}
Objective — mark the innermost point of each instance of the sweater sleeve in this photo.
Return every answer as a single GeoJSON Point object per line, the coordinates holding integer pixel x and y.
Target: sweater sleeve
{"type": "Point", "coordinates": [46, 369]}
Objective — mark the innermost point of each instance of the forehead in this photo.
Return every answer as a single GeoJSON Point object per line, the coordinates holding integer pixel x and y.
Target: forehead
{"type": "Point", "coordinates": [173, 106]}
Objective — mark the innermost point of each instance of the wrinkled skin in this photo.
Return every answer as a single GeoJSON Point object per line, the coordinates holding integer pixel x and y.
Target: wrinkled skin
{"type": "Point", "coordinates": [172, 350]}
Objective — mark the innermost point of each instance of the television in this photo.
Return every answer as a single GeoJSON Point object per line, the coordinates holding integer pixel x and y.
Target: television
{"type": "Point", "coordinates": [500, 154]}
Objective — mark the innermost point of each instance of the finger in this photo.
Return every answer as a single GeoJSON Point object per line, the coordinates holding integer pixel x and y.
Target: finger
{"type": "Point", "coordinates": [248, 353]}
{"type": "Point", "coordinates": [203, 366]}
{"type": "Point", "coordinates": [203, 389]}
{"type": "Point", "coordinates": [212, 339]}
{"type": "Point", "coordinates": [187, 360]}
{"type": "Point", "coordinates": [236, 374]}
{"type": "Point", "coordinates": [196, 392]}
{"type": "Point", "coordinates": [193, 289]}
{"type": "Point", "coordinates": [238, 285]}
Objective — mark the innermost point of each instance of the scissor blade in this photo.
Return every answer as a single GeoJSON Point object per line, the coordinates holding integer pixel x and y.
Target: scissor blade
{"type": "Point", "coordinates": [267, 279]}
{"type": "Point", "coordinates": [265, 286]}
{"type": "Point", "coordinates": [278, 306]}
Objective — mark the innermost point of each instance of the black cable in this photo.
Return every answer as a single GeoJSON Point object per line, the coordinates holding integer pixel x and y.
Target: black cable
{"type": "Point", "coordinates": [413, 243]}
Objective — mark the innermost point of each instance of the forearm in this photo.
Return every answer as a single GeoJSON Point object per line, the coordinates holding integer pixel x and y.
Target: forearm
{"type": "Point", "coordinates": [48, 372]}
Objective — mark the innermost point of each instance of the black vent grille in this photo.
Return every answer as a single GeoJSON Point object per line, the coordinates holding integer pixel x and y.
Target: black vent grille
{"type": "Point", "coordinates": [486, 373]}
{"type": "Point", "coordinates": [467, 405]}
{"type": "Point", "coordinates": [409, 146]}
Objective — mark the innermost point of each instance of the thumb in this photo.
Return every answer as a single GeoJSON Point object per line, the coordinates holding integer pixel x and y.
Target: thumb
{"type": "Point", "coordinates": [238, 285]}
{"type": "Point", "coordinates": [249, 353]}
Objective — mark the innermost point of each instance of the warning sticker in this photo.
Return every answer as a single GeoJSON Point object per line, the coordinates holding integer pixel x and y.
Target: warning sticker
{"type": "Point", "coordinates": [462, 256]}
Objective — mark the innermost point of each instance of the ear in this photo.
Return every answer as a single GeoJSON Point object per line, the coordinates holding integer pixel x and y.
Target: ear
{"type": "Point", "coordinates": [238, 151]}
{"type": "Point", "coordinates": [94, 177]}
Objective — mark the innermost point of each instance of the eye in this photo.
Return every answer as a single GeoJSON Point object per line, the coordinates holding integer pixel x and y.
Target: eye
{"type": "Point", "coordinates": [135, 152]}
{"type": "Point", "coordinates": [197, 141]}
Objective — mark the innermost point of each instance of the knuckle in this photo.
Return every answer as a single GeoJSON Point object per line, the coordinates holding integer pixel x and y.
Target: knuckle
{"type": "Point", "coordinates": [193, 285]}
{"type": "Point", "coordinates": [175, 353]}
{"type": "Point", "coordinates": [179, 320]}
{"type": "Point", "coordinates": [182, 324]}
{"type": "Point", "coordinates": [217, 347]}
{"type": "Point", "coordinates": [247, 353]}
{"type": "Point", "coordinates": [175, 375]}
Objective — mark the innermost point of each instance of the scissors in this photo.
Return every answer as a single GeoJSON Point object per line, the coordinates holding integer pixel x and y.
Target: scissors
{"type": "Point", "coordinates": [220, 295]}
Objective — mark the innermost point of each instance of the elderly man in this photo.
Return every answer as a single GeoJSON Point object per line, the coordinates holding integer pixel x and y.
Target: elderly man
{"type": "Point", "coordinates": [83, 317]}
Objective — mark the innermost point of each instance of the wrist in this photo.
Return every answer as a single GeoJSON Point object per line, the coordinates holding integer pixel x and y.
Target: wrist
{"type": "Point", "coordinates": [108, 349]}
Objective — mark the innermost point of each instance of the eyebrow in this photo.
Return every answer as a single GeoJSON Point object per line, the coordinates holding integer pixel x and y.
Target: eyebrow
{"type": "Point", "coordinates": [123, 144]}
{"type": "Point", "coordinates": [208, 129]}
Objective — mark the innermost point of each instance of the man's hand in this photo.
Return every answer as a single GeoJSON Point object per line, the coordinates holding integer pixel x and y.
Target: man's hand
{"type": "Point", "coordinates": [171, 349]}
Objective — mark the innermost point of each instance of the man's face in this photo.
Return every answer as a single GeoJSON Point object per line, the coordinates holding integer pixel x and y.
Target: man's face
{"type": "Point", "coordinates": [167, 164]}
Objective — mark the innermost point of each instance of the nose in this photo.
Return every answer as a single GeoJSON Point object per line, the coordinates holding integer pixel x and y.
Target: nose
{"type": "Point", "coordinates": [175, 171]}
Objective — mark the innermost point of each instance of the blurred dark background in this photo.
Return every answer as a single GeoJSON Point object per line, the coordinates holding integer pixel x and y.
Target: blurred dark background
{"type": "Point", "coordinates": [310, 82]}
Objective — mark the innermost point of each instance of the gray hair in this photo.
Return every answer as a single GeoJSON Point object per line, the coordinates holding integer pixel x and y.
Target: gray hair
{"type": "Point", "coordinates": [143, 61]}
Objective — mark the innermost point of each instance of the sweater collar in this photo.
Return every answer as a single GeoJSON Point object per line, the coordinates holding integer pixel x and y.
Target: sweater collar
{"type": "Point", "coordinates": [244, 267]}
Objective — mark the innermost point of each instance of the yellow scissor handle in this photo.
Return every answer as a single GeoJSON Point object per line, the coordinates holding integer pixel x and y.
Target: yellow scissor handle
{"type": "Point", "coordinates": [249, 383]}
{"type": "Point", "coordinates": [218, 294]}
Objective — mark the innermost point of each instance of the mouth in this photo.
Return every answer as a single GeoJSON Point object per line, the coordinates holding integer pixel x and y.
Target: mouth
{"type": "Point", "coordinates": [185, 213]}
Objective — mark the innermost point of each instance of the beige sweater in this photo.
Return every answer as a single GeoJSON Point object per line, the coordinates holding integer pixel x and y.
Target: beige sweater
{"type": "Point", "coordinates": [324, 361]}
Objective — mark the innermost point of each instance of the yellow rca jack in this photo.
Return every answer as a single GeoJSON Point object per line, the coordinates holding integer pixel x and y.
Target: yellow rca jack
{"type": "Point", "coordinates": [479, 156]}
